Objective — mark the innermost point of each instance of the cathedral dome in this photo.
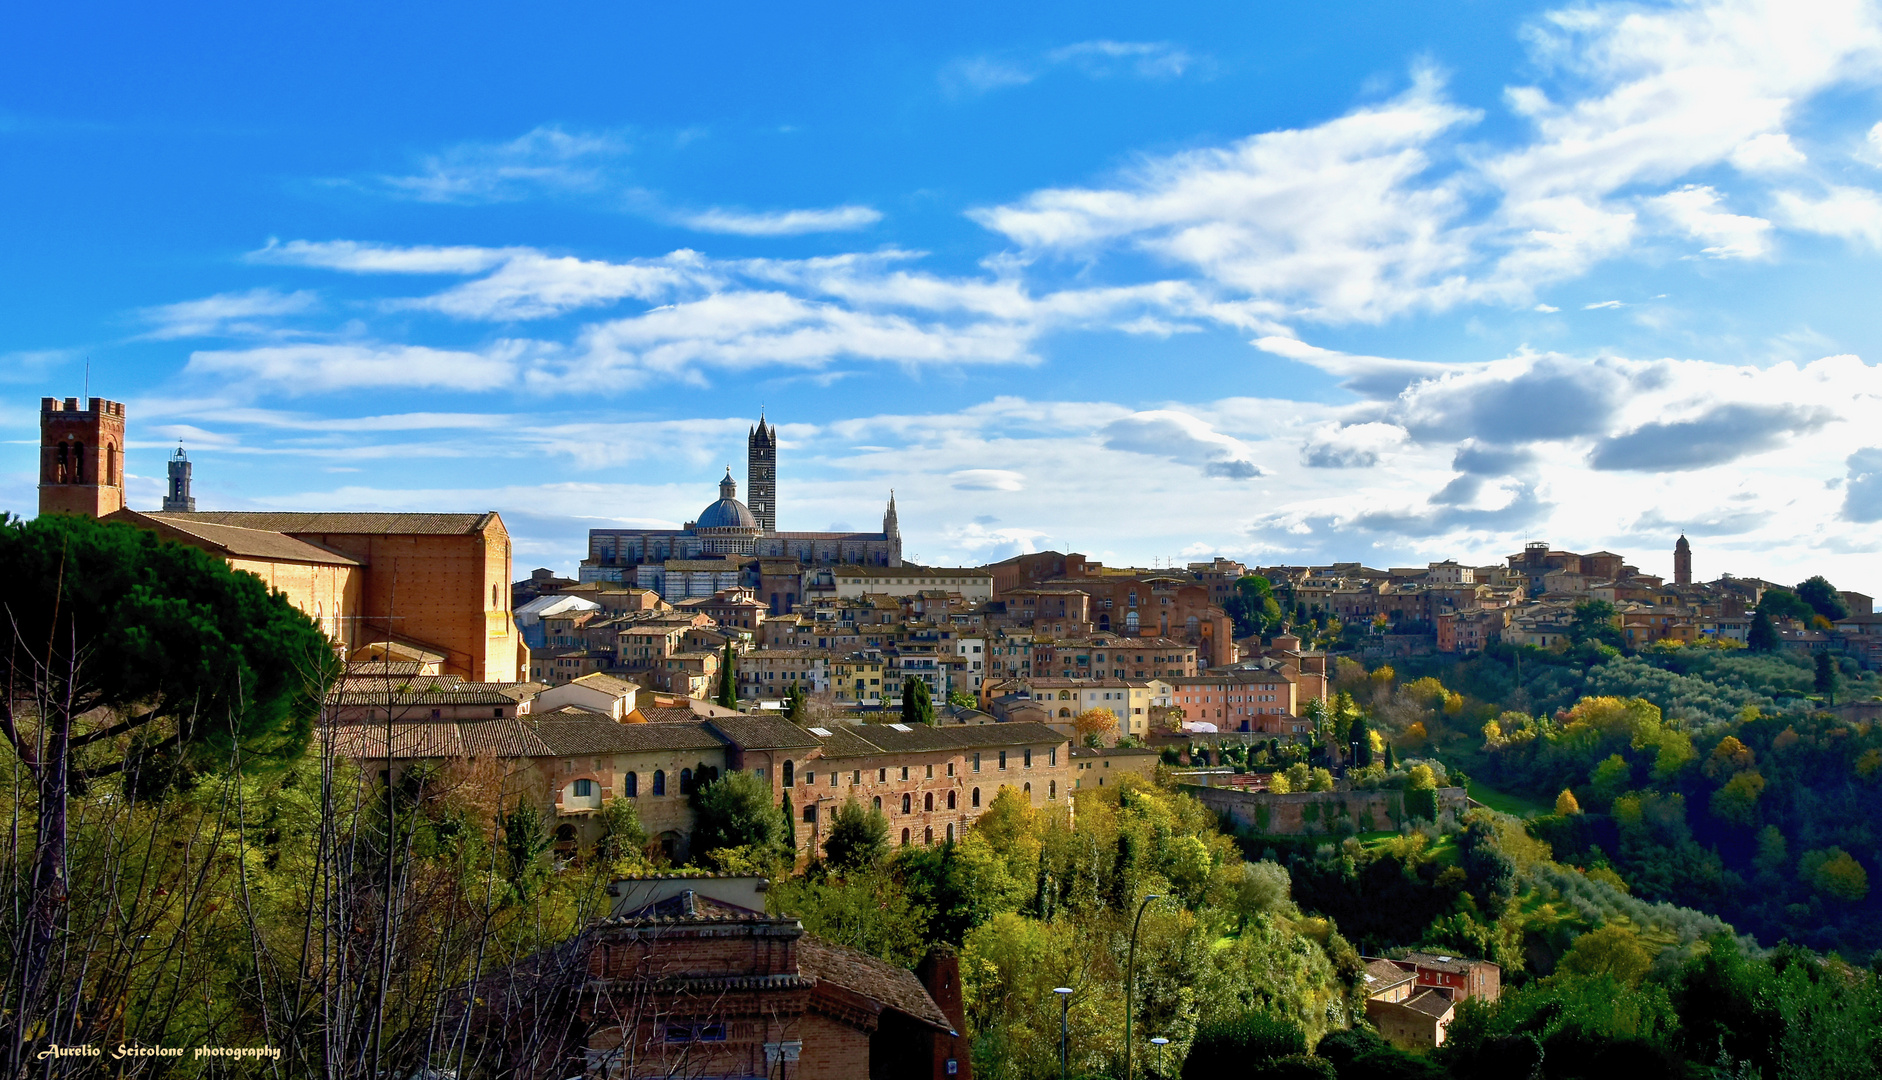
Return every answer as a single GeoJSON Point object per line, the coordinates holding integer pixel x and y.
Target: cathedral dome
{"type": "Point", "coordinates": [728, 512]}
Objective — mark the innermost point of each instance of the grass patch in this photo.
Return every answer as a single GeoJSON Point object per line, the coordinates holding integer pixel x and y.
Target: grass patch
{"type": "Point", "coordinates": [1505, 803]}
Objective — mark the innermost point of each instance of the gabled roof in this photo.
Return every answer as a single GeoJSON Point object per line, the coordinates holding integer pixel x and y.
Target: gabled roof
{"type": "Point", "coordinates": [434, 739]}
{"type": "Point", "coordinates": [232, 541]}
{"type": "Point", "coordinates": [571, 735]}
{"type": "Point", "coordinates": [282, 521]}
{"type": "Point", "coordinates": [762, 732]}
{"type": "Point", "coordinates": [895, 987]}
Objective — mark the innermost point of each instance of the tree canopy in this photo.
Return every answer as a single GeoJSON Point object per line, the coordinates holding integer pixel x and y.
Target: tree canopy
{"type": "Point", "coordinates": [191, 660]}
{"type": "Point", "coordinates": [917, 704]}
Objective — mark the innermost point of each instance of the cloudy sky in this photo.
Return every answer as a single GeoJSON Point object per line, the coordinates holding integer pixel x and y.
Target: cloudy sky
{"type": "Point", "coordinates": [1282, 282]}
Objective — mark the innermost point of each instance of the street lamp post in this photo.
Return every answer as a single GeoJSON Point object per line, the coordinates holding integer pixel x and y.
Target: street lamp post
{"type": "Point", "coordinates": [1159, 1042]}
{"type": "Point", "coordinates": [1065, 1008]}
{"type": "Point", "coordinates": [1130, 983]}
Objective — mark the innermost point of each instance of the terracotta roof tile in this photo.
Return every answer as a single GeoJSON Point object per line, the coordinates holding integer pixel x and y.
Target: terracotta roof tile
{"type": "Point", "coordinates": [567, 736]}
{"type": "Point", "coordinates": [282, 521]}
{"type": "Point", "coordinates": [879, 980]}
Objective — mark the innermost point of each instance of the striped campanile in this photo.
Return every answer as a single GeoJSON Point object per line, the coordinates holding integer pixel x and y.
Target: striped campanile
{"type": "Point", "coordinates": [761, 474]}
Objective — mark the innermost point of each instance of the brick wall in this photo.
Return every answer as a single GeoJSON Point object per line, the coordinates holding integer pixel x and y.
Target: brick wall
{"type": "Point", "coordinates": [1312, 813]}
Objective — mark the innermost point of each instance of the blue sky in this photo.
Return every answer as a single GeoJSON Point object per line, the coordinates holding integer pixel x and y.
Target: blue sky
{"type": "Point", "coordinates": [1357, 281]}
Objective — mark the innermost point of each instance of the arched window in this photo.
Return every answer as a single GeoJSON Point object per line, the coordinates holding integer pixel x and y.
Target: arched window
{"type": "Point", "coordinates": [904, 837]}
{"type": "Point", "coordinates": [78, 463]}
{"type": "Point", "coordinates": [950, 832]}
{"type": "Point", "coordinates": [686, 781]}
{"type": "Point", "coordinates": [1028, 788]}
{"type": "Point", "coordinates": [632, 787]}
{"type": "Point", "coordinates": [790, 772]}
{"type": "Point", "coordinates": [975, 797]}
{"type": "Point", "coordinates": [950, 800]}
{"type": "Point", "coordinates": [1065, 712]}
{"type": "Point", "coordinates": [907, 804]}
{"type": "Point", "coordinates": [1130, 620]}
{"type": "Point", "coordinates": [927, 836]}
{"type": "Point", "coordinates": [1104, 622]}
{"type": "Point", "coordinates": [493, 596]}
{"type": "Point", "coordinates": [111, 464]}
{"type": "Point", "coordinates": [1065, 695]}
{"type": "Point", "coordinates": [1052, 790]}
{"type": "Point", "coordinates": [927, 802]}
{"type": "Point", "coordinates": [659, 782]}
{"type": "Point", "coordinates": [1190, 624]}
{"type": "Point", "coordinates": [878, 802]}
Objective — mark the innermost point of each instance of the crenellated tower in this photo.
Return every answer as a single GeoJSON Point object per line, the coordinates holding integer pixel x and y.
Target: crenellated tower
{"type": "Point", "coordinates": [761, 474]}
{"type": "Point", "coordinates": [81, 457]}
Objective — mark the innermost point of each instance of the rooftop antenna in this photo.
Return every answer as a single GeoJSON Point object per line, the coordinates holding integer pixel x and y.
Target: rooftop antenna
{"type": "Point", "coordinates": [88, 378]}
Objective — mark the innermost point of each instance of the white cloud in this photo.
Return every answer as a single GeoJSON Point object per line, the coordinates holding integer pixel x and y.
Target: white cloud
{"type": "Point", "coordinates": [357, 257]}
{"type": "Point", "coordinates": [1104, 58]}
{"type": "Point", "coordinates": [1769, 152]}
{"type": "Point", "coordinates": [243, 314]}
{"type": "Point", "coordinates": [1547, 309]}
{"type": "Point", "coordinates": [1599, 305]}
{"type": "Point", "coordinates": [1727, 236]}
{"type": "Point", "coordinates": [1338, 221]}
{"type": "Point", "coordinates": [547, 159]}
{"type": "Point", "coordinates": [530, 285]}
{"type": "Point", "coordinates": [1850, 213]}
{"type": "Point", "coordinates": [1350, 446]}
{"type": "Point", "coordinates": [782, 222]}
{"type": "Point", "coordinates": [1098, 59]}
{"type": "Point", "coordinates": [296, 370]}
{"type": "Point", "coordinates": [1184, 437]}
{"type": "Point", "coordinates": [987, 480]}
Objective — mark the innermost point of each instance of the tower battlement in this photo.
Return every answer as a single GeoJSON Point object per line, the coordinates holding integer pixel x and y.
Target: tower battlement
{"type": "Point", "coordinates": [81, 457]}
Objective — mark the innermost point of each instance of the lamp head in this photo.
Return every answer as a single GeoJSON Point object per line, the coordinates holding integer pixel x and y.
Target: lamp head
{"type": "Point", "coordinates": [1062, 990]}
{"type": "Point", "coordinates": [1159, 1041]}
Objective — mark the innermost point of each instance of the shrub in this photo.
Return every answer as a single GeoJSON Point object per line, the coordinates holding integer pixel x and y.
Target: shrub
{"type": "Point", "coordinates": [1230, 1045]}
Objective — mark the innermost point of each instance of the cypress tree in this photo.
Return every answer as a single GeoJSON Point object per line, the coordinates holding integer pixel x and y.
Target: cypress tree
{"type": "Point", "coordinates": [1763, 636]}
{"type": "Point", "coordinates": [1362, 742]}
{"type": "Point", "coordinates": [1391, 759]}
{"type": "Point", "coordinates": [917, 706]}
{"type": "Point", "coordinates": [728, 679]}
{"type": "Point", "coordinates": [790, 827]}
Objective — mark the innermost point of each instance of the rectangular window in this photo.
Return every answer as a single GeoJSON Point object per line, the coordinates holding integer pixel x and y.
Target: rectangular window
{"type": "Point", "coordinates": [904, 772]}
{"type": "Point", "coordinates": [1052, 756]}
{"type": "Point", "coordinates": [976, 761]}
{"type": "Point", "coordinates": [1027, 762]}
{"type": "Point", "coordinates": [1002, 759]}
{"type": "Point", "coordinates": [930, 775]}
{"type": "Point", "coordinates": [950, 768]}
{"type": "Point", "coordinates": [809, 777]}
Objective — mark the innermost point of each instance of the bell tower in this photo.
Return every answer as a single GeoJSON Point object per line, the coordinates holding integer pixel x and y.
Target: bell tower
{"type": "Point", "coordinates": [1682, 562]}
{"type": "Point", "coordinates": [177, 499]}
{"type": "Point", "coordinates": [761, 474]}
{"type": "Point", "coordinates": [81, 457]}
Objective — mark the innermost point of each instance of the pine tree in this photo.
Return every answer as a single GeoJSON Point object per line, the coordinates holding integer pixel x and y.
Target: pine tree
{"type": "Point", "coordinates": [728, 679]}
{"type": "Point", "coordinates": [1391, 759]}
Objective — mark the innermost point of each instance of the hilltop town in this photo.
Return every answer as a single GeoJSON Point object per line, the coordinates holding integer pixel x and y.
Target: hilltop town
{"type": "Point", "coordinates": [706, 713]}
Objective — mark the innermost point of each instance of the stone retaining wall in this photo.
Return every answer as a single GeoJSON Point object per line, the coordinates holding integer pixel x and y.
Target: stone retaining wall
{"type": "Point", "coordinates": [1313, 813]}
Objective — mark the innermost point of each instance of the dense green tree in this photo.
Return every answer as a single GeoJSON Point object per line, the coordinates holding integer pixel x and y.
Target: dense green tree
{"type": "Point", "coordinates": [1593, 620]}
{"type": "Point", "coordinates": [736, 811]}
{"type": "Point", "coordinates": [1825, 680]}
{"type": "Point", "coordinates": [1252, 606]}
{"type": "Point", "coordinates": [1360, 737]}
{"type": "Point", "coordinates": [1822, 598]}
{"type": "Point", "coordinates": [728, 678]}
{"type": "Point", "coordinates": [917, 706]}
{"type": "Point", "coordinates": [1763, 635]}
{"type": "Point", "coordinates": [133, 657]}
{"type": "Point", "coordinates": [859, 837]}
{"type": "Point", "coordinates": [788, 825]}
{"type": "Point", "coordinates": [1232, 1045]}
{"type": "Point", "coordinates": [1784, 604]}
{"type": "Point", "coordinates": [796, 704]}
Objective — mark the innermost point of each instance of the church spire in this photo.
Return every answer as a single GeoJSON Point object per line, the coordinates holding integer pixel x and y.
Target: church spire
{"type": "Point", "coordinates": [761, 473]}
{"type": "Point", "coordinates": [891, 526]}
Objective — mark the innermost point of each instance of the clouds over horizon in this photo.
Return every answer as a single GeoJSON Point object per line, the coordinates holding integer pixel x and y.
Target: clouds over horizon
{"type": "Point", "coordinates": [1683, 134]}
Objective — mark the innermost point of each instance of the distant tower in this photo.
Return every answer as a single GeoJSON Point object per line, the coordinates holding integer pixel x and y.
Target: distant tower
{"type": "Point", "coordinates": [179, 500]}
{"type": "Point", "coordinates": [1682, 562]}
{"type": "Point", "coordinates": [81, 457]}
{"type": "Point", "coordinates": [891, 525]}
{"type": "Point", "coordinates": [761, 474]}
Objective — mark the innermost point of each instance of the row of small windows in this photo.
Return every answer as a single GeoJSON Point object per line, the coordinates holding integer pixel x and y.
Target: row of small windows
{"type": "Point", "coordinates": [585, 789]}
